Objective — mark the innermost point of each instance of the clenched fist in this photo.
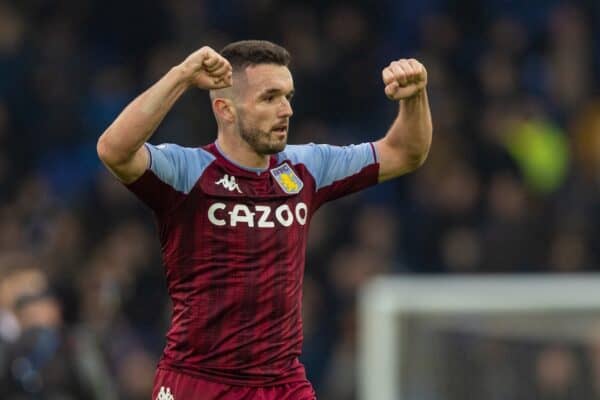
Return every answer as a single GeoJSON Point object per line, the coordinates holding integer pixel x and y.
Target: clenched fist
{"type": "Point", "coordinates": [207, 69]}
{"type": "Point", "coordinates": [404, 78]}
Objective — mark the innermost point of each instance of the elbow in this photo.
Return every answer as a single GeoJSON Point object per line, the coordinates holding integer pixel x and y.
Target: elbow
{"type": "Point", "coordinates": [414, 162]}
{"type": "Point", "coordinates": [421, 158]}
{"type": "Point", "coordinates": [108, 154]}
{"type": "Point", "coordinates": [103, 150]}
{"type": "Point", "coordinates": [416, 158]}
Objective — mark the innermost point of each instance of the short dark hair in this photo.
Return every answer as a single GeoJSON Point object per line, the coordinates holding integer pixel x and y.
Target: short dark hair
{"type": "Point", "coordinates": [253, 52]}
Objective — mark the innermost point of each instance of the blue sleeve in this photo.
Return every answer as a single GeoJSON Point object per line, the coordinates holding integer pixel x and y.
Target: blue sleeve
{"type": "Point", "coordinates": [177, 166]}
{"type": "Point", "coordinates": [329, 164]}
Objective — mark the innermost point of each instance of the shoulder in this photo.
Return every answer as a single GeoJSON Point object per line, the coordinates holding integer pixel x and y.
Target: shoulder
{"type": "Point", "coordinates": [178, 166]}
{"type": "Point", "coordinates": [312, 152]}
{"type": "Point", "coordinates": [319, 155]}
{"type": "Point", "coordinates": [299, 154]}
{"type": "Point", "coordinates": [328, 163]}
{"type": "Point", "coordinates": [175, 151]}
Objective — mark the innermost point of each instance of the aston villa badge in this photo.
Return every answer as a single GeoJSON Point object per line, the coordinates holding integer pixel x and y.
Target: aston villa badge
{"type": "Point", "coordinates": [287, 179]}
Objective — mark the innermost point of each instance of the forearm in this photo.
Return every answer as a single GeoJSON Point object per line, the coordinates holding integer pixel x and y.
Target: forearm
{"type": "Point", "coordinates": [138, 121]}
{"type": "Point", "coordinates": [406, 144]}
{"type": "Point", "coordinates": [411, 132]}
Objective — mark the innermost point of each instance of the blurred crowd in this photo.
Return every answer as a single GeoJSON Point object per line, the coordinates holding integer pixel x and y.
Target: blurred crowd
{"type": "Point", "coordinates": [511, 184]}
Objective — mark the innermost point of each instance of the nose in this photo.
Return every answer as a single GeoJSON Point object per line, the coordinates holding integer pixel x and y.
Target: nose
{"type": "Point", "coordinates": [286, 109]}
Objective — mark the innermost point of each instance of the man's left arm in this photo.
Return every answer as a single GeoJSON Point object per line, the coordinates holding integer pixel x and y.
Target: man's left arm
{"type": "Point", "coordinates": [406, 144]}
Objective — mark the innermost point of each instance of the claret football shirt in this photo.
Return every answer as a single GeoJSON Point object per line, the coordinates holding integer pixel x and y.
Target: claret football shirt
{"type": "Point", "coordinates": [233, 246]}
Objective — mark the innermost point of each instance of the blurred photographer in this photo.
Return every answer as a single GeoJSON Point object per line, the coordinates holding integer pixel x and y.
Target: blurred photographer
{"type": "Point", "coordinates": [37, 358]}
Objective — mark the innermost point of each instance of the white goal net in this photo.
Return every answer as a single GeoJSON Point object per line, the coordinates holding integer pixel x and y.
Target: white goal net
{"type": "Point", "coordinates": [495, 338]}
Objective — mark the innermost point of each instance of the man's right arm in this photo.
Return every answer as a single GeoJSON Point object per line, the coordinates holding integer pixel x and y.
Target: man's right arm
{"type": "Point", "coordinates": [121, 146]}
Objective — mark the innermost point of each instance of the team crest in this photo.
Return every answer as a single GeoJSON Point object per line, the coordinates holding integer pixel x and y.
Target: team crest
{"type": "Point", "coordinates": [287, 179]}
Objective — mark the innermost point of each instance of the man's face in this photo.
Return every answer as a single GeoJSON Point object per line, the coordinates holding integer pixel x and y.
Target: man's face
{"type": "Point", "coordinates": [263, 107]}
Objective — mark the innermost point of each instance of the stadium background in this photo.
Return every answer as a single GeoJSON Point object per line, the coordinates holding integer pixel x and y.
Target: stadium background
{"type": "Point", "coordinates": [511, 184]}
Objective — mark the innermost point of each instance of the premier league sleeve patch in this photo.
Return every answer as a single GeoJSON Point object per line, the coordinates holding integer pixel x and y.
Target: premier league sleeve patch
{"type": "Point", "coordinates": [287, 179]}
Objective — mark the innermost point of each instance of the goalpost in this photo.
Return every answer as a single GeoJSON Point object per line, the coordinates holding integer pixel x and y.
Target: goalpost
{"type": "Point", "coordinates": [415, 332]}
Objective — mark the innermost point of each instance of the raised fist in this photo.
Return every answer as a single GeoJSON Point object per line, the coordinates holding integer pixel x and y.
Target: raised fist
{"type": "Point", "coordinates": [404, 78]}
{"type": "Point", "coordinates": [207, 69]}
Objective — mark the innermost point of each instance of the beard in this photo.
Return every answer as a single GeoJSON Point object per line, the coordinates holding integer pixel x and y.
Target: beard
{"type": "Point", "coordinates": [260, 141]}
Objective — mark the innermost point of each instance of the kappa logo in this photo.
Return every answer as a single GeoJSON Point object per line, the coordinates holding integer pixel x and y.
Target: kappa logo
{"type": "Point", "coordinates": [165, 394]}
{"type": "Point", "coordinates": [287, 179]}
{"type": "Point", "coordinates": [229, 183]}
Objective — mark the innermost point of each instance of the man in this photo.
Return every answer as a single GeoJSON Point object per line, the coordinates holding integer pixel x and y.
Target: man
{"type": "Point", "coordinates": [233, 216]}
{"type": "Point", "coordinates": [37, 357]}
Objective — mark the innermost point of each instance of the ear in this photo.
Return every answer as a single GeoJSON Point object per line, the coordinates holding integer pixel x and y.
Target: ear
{"type": "Point", "coordinates": [224, 109]}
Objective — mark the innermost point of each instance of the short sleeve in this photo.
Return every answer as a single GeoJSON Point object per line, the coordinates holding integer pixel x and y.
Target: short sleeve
{"type": "Point", "coordinates": [337, 170]}
{"type": "Point", "coordinates": [171, 175]}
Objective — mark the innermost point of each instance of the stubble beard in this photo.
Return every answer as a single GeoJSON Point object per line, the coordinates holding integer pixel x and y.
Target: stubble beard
{"type": "Point", "coordinates": [260, 141]}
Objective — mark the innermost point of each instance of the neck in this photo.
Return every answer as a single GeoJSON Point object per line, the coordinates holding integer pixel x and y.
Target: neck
{"type": "Point", "coordinates": [238, 151]}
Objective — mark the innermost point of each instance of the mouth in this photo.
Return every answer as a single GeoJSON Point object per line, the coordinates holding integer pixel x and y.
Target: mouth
{"type": "Point", "coordinates": [280, 129]}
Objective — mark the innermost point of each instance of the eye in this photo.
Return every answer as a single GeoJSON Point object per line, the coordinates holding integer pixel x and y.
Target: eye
{"type": "Point", "coordinates": [269, 99]}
